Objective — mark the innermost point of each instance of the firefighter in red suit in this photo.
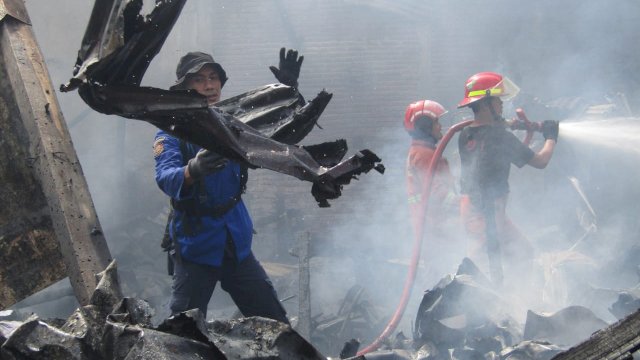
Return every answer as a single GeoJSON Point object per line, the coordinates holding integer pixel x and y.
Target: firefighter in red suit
{"type": "Point", "coordinates": [421, 121]}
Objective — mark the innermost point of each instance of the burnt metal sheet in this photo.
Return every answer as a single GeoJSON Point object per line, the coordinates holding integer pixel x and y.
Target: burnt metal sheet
{"type": "Point", "coordinates": [14, 9]}
{"type": "Point", "coordinates": [116, 327]}
{"type": "Point", "coordinates": [448, 320]}
{"type": "Point", "coordinates": [565, 327]}
{"type": "Point", "coordinates": [530, 350]}
{"type": "Point", "coordinates": [261, 338]}
{"type": "Point", "coordinates": [117, 48]}
{"type": "Point", "coordinates": [119, 43]}
{"type": "Point", "coordinates": [58, 202]}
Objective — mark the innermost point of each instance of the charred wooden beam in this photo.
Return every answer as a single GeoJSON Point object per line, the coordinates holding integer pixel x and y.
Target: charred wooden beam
{"type": "Point", "coordinates": [52, 159]}
{"type": "Point", "coordinates": [304, 287]}
{"type": "Point", "coordinates": [618, 341]}
{"type": "Point", "coordinates": [30, 258]}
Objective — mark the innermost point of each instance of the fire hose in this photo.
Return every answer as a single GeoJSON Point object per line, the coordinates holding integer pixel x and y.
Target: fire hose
{"type": "Point", "coordinates": [417, 243]}
{"type": "Point", "coordinates": [522, 123]}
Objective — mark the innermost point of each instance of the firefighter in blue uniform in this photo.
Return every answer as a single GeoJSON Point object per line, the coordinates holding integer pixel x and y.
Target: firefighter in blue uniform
{"type": "Point", "coordinates": [211, 230]}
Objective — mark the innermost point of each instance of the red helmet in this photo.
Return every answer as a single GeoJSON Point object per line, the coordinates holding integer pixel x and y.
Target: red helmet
{"type": "Point", "coordinates": [486, 84]}
{"type": "Point", "coordinates": [428, 108]}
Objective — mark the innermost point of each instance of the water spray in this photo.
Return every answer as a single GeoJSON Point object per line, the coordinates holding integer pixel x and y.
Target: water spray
{"type": "Point", "coordinates": [619, 133]}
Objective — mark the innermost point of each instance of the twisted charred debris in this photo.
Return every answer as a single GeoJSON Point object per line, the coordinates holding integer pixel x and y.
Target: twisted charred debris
{"type": "Point", "coordinates": [115, 327]}
{"type": "Point", "coordinates": [259, 128]}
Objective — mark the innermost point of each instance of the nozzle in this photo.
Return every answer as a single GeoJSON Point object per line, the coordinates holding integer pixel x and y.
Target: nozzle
{"type": "Point", "coordinates": [523, 123]}
{"type": "Point", "coordinates": [536, 126]}
{"type": "Point", "coordinates": [518, 124]}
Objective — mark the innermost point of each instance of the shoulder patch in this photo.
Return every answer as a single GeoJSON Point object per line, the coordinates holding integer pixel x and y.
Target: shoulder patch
{"type": "Point", "coordinates": [158, 146]}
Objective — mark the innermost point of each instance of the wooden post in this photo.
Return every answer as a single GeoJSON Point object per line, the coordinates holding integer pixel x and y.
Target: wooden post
{"type": "Point", "coordinates": [48, 144]}
{"type": "Point", "coordinates": [304, 290]}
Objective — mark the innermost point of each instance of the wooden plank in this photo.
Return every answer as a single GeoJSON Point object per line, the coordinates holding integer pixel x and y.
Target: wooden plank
{"type": "Point", "coordinates": [304, 284]}
{"type": "Point", "coordinates": [26, 230]}
{"type": "Point", "coordinates": [618, 341]}
{"type": "Point", "coordinates": [14, 9]}
{"type": "Point", "coordinates": [53, 160]}
{"type": "Point", "coordinates": [30, 258]}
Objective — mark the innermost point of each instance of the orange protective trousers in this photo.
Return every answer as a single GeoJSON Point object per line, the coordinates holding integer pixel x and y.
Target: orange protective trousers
{"type": "Point", "coordinates": [514, 247]}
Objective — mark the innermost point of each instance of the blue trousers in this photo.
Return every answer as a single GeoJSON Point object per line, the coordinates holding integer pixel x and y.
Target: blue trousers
{"type": "Point", "coordinates": [246, 282]}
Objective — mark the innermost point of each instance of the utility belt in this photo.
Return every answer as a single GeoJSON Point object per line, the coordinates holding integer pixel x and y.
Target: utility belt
{"type": "Point", "coordinates": [192, 208]}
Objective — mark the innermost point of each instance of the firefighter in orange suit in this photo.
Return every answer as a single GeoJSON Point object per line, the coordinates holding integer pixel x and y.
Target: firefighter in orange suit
{"type": "Point", "coordinates": [421, 121]}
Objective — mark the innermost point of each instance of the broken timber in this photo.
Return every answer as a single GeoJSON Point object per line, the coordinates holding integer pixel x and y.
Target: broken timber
{"type": "Point", "coordinates": [42, 168]}
{"type": "Point", "coordinates": [618, 341]}
{"type": "Point", "coordinates": [304, 278]}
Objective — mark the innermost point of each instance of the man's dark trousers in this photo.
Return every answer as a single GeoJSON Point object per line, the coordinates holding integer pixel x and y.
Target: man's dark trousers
{"type": "Point", "coordinates": [246, 282]}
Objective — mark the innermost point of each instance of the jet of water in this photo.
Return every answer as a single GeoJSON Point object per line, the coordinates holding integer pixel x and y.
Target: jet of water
{"type": "Point", "coordinates": [620, 133]}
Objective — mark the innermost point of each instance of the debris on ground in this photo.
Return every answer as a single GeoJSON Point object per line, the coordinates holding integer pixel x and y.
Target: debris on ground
{"type": "Point", "coordinates": [117, 327]}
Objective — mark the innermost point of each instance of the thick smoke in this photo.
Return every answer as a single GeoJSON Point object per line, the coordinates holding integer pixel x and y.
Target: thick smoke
{"type": "Point", "coordinates": [376, 58]}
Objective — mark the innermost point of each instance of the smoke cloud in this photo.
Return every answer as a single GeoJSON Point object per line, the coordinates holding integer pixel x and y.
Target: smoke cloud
{"type": "Point", "coordinates": [377, 57]}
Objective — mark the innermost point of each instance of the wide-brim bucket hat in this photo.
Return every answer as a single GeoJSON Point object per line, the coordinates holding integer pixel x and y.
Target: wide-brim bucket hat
{"type": "Point", "coordinates": [191, 63]}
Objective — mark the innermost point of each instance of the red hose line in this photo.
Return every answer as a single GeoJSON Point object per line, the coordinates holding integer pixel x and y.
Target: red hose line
{"type": "Point", "coordinates": [417, 243]}
{"type": "Point", "coordinates": [531, 127]}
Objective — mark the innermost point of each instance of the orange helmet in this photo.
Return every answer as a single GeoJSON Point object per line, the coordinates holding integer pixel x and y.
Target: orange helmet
{"type": "Point", "coordinates": [428, 108]}
{"type": "Point", "coordinates": [486, 84]}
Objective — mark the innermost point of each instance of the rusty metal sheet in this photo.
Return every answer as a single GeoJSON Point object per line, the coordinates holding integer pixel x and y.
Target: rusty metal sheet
{"type": "Point", "coordinates": [43, 149]}
{"type": "Point", "coordinates": [15, 9]}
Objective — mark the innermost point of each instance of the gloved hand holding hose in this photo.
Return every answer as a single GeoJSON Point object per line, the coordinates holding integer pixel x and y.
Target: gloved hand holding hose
{"type": "Point", "coordinates": [204, 163]}
{"type": "Point", "coordinates": [550, 129]}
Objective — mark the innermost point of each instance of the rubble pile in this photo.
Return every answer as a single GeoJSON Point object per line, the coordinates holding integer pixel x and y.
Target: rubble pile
{"type": "Point", "coordinates": [116, 327]}
{"type": "Point", "coordinates": [465, 318]}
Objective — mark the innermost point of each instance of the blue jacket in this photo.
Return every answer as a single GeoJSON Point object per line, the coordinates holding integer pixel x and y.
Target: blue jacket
{"type": "Point", "coordinates": [208, 234]}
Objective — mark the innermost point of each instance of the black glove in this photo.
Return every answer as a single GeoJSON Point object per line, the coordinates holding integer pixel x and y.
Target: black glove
{"type": "Point", "coordinates": [550, 130]}
{"type": "Point", "coordinates": [289, 68]}
{"type": "Point", "coordinates": [205, 162]}
{"type": "Point", "coordinates": [323, 191]}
